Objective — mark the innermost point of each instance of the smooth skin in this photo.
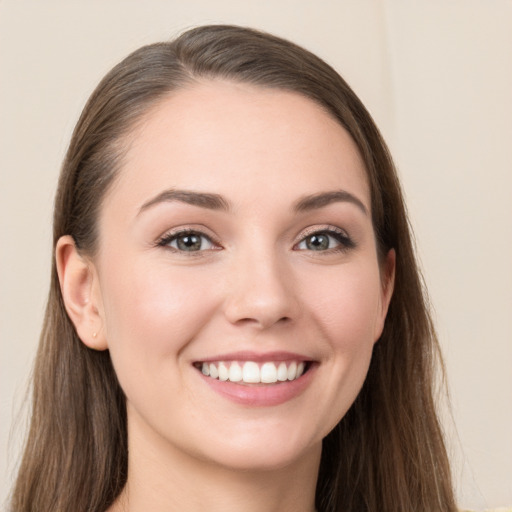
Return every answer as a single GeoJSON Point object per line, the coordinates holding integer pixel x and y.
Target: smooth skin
{"type": "Point", "coordinates": [267, 269]}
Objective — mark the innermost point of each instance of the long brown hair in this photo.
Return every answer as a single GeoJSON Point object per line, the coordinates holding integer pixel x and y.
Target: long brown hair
{"type": "Point", "coordinates": [387, 454]}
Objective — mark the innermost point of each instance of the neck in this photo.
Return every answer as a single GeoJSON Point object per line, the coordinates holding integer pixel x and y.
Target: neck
{"type": "Point", "coordinates": [164, 479]}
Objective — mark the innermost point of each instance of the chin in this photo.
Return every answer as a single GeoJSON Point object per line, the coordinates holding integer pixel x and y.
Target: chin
{"type": "Point", "coordinates": [265, 452]}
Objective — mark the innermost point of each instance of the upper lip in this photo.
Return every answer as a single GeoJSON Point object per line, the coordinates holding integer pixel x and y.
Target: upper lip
{"type": "Point", "coordinates": [256, 357]}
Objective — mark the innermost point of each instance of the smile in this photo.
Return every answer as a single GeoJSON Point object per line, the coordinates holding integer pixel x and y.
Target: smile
{"type": "Point", "coordinates": [251, 372]}
{"type": "Point", "coordinates": [253, 379]}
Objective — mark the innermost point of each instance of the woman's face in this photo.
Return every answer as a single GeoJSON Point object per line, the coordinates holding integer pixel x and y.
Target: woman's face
{"type": "Point", "coordinates": [238, 242]}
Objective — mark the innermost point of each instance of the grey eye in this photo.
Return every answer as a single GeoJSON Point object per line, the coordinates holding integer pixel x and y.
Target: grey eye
{"type": "Point", "coordinates": [318, 242]}
{"type": "Point", "coordinates": [190, 242]}
{"type": "Point", "coordinates": [326, 240]}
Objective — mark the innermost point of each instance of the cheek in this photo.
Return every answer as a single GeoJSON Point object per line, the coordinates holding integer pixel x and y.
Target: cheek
{"type": "Point", "coordinates": [154, 309]}
{"type": "Point", "coordinates": [346, 303]}
{"type": "Point", "coordinates": [345, 307]}
{"type": "Point", "coordinates": [151, 316]}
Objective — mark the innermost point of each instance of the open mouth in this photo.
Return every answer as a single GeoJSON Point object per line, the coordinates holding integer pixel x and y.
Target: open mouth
{"type": "Point", "coordinates": [251, 372]}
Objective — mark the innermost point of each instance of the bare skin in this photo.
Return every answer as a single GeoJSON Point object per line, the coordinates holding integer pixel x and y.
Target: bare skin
{"type": "Point", "coordinates": [239, 229]}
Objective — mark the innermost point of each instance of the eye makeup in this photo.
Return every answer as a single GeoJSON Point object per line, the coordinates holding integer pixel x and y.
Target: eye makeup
{"type": "Point", "coordinates": [327, 238]}
{"type": "Point", "coordinates": [191, 240]}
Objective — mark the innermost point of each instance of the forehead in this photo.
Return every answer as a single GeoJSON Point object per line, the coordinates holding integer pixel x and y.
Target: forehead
{"type": "Point", "coordinates": [234, 139]}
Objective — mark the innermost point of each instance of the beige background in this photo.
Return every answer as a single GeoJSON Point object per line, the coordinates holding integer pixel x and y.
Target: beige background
{"type": "Point", "coordinates": [437, 76]}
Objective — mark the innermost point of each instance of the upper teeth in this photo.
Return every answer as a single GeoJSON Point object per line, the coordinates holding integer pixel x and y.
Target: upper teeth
{"type": "Point", "coordinates": [254, 373]}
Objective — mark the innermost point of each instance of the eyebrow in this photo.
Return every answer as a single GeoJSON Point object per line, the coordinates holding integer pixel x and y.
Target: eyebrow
{"type": "Point", "coordinates": [218, 202]}
{"type": "Point", "coordinates": [322, 199]}
{"type": "Point", "coordinates": [201, 199]}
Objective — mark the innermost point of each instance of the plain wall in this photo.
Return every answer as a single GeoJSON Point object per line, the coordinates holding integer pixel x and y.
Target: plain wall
{"type": "Point", "coordinates": [436, 75]}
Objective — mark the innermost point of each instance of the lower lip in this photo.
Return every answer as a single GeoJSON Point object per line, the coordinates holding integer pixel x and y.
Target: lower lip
{"type": "Point", "coordinates": [261, 395]}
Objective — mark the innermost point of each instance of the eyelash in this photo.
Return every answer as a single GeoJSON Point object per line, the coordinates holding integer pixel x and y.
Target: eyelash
{"type": "Point", "coordinates": [168, 238]}
{"type": "Point", "coordinates": [343, 240]}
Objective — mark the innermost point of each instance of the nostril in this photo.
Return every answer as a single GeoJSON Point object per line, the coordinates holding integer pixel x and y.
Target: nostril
{"type": "Point", "coordinates": [262, 321]}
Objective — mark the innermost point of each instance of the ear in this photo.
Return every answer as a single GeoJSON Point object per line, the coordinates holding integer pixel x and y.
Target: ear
{"type": "Point", "coordinates": [81, 294]}
{"type": "Point", "coordinates": [387, 287]}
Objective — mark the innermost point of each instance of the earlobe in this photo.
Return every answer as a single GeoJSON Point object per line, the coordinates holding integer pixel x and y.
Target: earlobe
{"type": "Point", "coordinates": [79, 288]}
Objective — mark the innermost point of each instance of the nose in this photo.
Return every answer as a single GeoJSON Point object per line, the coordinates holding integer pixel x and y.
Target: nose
{"type": "Point", "coordinates": [261, 292]}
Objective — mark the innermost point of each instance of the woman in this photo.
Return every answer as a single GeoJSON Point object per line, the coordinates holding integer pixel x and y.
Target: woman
{"type": "Point", "coordinates": [236, 319]}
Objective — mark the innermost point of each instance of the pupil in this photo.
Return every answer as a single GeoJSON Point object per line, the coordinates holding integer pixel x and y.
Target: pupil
{"type": "Point", "coordinates": [189, 243]}
{"type": "Point", "coordinates": [318, 242]}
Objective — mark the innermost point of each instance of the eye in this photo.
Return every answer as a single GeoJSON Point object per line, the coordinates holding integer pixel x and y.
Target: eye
{"type": "Point", "coordinates": [325, 240]}
{"type": "Point", "coordinates": [187, 241]}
